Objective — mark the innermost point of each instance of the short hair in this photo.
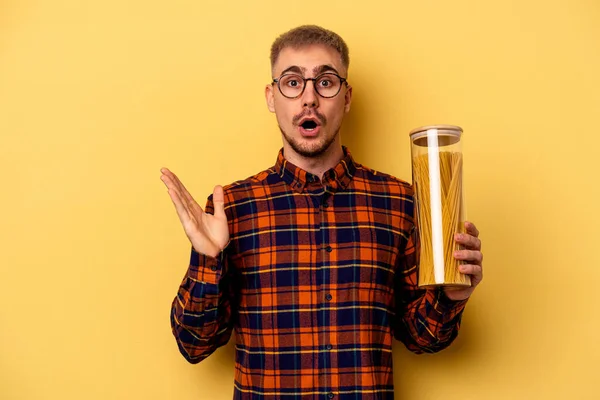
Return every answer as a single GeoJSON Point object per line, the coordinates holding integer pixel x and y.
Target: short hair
{"type": "Point", "coordinates": [306, 35]}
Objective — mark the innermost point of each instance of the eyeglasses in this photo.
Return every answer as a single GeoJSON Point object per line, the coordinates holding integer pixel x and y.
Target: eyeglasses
{"type": "Point", "coordinates": [327, 85]}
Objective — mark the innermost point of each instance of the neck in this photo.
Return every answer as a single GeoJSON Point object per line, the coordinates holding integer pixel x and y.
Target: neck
{"type": "Point", "coordinates": [316, 165]}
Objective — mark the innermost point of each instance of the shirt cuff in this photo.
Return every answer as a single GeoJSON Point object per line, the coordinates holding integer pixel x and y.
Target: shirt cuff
{"type": "Point", "coordinates": [205, 268]}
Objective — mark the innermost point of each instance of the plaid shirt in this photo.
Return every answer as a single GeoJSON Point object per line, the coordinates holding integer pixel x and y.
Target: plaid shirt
{"type": "Point", "coordinates": [318, 278]}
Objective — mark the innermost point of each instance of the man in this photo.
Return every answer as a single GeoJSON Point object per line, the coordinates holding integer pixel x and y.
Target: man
{"type": "Point", "coordinates": [312, 262]}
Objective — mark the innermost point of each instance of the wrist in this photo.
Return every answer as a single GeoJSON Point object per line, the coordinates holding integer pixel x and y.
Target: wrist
{"type": "Point", "coordinates": [451, 294]}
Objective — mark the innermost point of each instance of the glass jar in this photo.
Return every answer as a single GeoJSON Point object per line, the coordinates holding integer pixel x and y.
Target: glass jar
{"type": "Point", "coordinates": [437, 165]}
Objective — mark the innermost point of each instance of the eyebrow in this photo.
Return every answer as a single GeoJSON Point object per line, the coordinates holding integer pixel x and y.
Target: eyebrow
{"type": "Point", "coordinates": [294, 68]}
{"type": "Point", "coordinates": [316, 71]}
{"type": "Point", "coordinates": [324, 68]}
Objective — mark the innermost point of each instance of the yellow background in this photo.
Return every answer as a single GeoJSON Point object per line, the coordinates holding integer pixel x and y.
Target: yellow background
{"type": "Point", "coordinates": [96, 96]}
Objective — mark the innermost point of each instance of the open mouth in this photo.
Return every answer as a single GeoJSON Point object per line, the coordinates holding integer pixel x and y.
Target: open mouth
{"type": "Point", "coordinates": [309, 125]}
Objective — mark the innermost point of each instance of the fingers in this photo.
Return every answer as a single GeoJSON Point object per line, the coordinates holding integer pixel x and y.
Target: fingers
{"type": "Point", "coordinates": [472, 269]}
{"type": "Point", "coordinates": [219, 201]}
{"type": "Point", "coordinates": [173, 183]}
{"type": "Point", "coordinates": [474, 256]}
{"type": "Point", "coordinates": [181, 205]}
{"type": "Point", "coordinates": [471, 229]}
{"type": "Point", "coordinates": [470, 242]}
{"type": "Point", "coordinates": [166, 178]}
{"type": "Point", "coordinates": [183, 192]}
{"type": "Point", "coordinates": [182, 211]}
{"type": "Point", "coordinates": [173, 191]}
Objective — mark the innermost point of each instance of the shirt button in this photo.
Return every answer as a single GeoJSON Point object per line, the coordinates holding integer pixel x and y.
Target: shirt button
{"type": "Point", "coordinates": [213, 268]}
{"type": "Point", "coordinates": [329, 347]}
{"type": "Point", "coordinates": [329, 249]}
{"type": "Point", "coordinates": [328, 297]}
{"type": "Point", "coordinates": [325, 205]}
{"type": "Point", "coordinates": [298, 184]}
{"type": "Point", "coordinates": [331, 395]}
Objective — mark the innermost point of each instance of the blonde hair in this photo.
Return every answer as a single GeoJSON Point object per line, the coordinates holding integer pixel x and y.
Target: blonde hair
{"type": "Point", "coordinates": [306, 35]}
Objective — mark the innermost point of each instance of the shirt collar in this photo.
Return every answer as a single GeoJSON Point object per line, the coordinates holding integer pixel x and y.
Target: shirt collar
{"type": "Point", "coordinates": [336, 178]}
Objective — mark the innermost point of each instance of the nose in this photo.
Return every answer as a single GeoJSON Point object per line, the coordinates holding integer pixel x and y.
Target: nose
{"type": "Point", "coordinates": [310, 98]}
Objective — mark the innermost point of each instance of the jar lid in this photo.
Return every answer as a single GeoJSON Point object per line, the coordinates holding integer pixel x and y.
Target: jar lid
{"type": "Point", "coordinates": [447, 134]}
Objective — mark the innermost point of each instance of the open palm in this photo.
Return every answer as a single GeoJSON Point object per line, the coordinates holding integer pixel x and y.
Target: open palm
{"type": "Point", "coordinates": [208, 233]}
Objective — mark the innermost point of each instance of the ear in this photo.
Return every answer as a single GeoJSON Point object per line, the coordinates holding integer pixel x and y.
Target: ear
{"type": "Point", "coordinates": [348, 99]}
{"type": "Point", "coordinates": [269, 96]}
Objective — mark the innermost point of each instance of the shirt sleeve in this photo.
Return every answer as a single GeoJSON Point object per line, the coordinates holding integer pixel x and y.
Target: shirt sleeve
{"type": "Point", "coordinates": [426, 321]}
{"type": "Point", "coordinates": [201, 313]}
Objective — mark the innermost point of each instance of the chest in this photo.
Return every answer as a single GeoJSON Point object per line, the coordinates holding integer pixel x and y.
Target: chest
{"type": "Point", "coordinates": [294, 241]}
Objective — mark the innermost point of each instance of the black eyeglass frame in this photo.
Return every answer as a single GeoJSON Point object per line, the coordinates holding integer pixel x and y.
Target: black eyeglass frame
{"type": "Point", "coordinates": [314, 81]}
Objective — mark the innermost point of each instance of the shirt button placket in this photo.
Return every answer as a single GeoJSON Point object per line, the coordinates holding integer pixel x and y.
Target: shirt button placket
{"type": "Point", "coordinates": [328, 296]}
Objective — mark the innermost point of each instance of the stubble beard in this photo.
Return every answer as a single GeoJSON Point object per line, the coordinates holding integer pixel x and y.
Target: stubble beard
{"type": "Point", "coordinates": [309, 150]}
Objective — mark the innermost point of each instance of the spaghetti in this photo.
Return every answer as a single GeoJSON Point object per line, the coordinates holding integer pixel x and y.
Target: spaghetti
{"type": "Point", "coordinates": [440, 268]}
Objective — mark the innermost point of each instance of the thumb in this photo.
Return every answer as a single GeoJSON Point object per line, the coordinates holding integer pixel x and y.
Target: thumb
{"type": "Point", "coordinates": [219, 201]}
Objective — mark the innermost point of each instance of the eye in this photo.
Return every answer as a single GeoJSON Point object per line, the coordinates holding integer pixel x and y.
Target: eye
{"type": "Point", "coordinates": [325, 82]}
{"type": "Point", "coordinates": [292, 81]}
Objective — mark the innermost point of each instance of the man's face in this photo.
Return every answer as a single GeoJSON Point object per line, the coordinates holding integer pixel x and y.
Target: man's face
{"type": "Point", "coordinates": [294, 116]}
